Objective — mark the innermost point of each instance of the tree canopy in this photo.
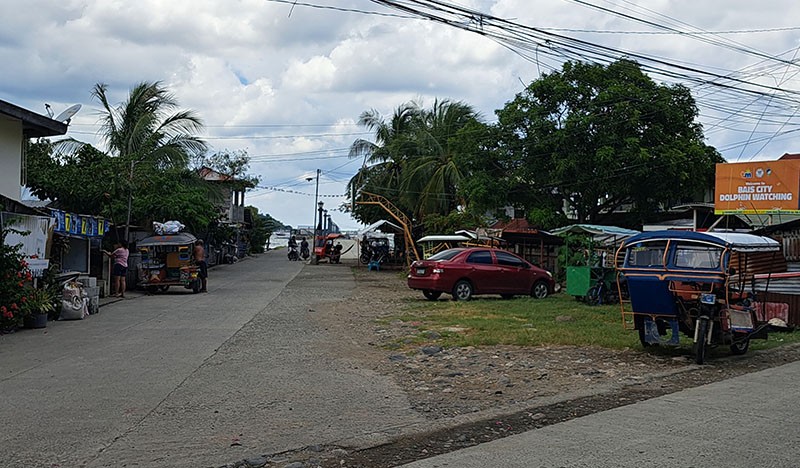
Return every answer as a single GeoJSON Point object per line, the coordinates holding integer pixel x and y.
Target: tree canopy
{"type": "Point", "coordinates": [588, 140]}
{"type": "Point", "coordinates": [412, 161]}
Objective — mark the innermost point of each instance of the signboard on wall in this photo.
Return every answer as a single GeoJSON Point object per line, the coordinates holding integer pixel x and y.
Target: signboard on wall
{"type": "Point", "coordinates": [761, 187]}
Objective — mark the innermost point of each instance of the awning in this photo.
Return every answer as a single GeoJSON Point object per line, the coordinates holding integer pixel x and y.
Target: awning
{"type": "Point", "coordinates": [377, 224]}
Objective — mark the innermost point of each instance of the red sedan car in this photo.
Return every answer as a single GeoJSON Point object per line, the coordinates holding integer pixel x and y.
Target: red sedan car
{"type": "Point", "coordinates": [465, 272]}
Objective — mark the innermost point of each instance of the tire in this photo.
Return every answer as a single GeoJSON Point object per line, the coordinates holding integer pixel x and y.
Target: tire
{"type": "Point", "coordinates": [462, 291]}
{"type": "Point", "coordinates": [593, 296]}
{"type": "Point", "coordinates": [196, 287]}
{"type": "Point", "coordinates": [540, 290]}
{"type": "Point", "coordinates": [740, 347]}
{"type": "Point", "coordinates": [431, 295]}
{"type": "Point", "coordinates": [642, 339]}
{"type": "Point", "coordinates": [163, 288]}
{"type": "Point", "coordinates": [507, 296]}
{"type": "Point", "coordinates": [152, 289]}
{"type": "Point", "coordinates": [700, 347]}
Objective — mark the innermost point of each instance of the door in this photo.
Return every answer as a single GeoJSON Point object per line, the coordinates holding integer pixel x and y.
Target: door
{"type": "Point", "coordinates": [513, 276]}
{"type": "Point", "coordinates": [482, 271]}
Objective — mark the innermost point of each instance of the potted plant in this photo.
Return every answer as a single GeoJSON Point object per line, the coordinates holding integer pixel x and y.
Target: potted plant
{"type": "Point", "coordinates": [36, 304]}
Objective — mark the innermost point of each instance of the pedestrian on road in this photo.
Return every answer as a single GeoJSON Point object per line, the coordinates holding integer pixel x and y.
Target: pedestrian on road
{"type": "Point", "coordinates": [120, 268]}
{"type": "Point", "coordinates": [200, 260]}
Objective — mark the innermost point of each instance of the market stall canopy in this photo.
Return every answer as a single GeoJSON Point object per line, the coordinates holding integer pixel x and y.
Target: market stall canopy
{"type": "Point", "coordinates": [600, 233]}
{"type": "Point", "coordinates": [374, 227]}
{"type": "Point", "coordinates": [181, 238]}
{"type": "Point", "coordinates": [444, 238]}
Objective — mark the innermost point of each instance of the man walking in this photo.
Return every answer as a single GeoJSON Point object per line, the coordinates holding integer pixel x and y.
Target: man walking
{"type": "Point", "coordinates": [199, 255]}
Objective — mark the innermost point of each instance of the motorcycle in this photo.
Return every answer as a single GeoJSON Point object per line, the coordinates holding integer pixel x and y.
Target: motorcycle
{"type": "Point", "coordinates": [304, 252]}
{"type": "Point", "coordinates": [293, 255]}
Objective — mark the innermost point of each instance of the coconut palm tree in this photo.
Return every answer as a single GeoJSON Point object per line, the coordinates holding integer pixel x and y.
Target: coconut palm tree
{"type": "Point", "coordinates": [431, 178]}
{"type": "Point", "coordinates": [384, 158]}
{"type": "Point", "coordinates": [145, 130]}
{"type": "Point", "coordinates": [412, 161]}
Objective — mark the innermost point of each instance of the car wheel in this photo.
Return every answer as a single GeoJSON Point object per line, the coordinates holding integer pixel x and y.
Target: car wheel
{"type": "Point", "coordinates": [462, 291]}
{"type": "Point", "coordinates": [431, 295]}
{"type": "Point", "coordinates": [540, 290]}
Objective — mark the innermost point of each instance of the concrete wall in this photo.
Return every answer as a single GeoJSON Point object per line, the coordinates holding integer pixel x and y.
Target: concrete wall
{"type": "Point", "coordinates": [10, 157]}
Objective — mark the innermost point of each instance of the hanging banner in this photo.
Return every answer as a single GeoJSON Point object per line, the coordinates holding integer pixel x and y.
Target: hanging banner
{"type": "Point", "coordinates": [79, 225]}
{"type": "Point", "coordinates": [762, 187]}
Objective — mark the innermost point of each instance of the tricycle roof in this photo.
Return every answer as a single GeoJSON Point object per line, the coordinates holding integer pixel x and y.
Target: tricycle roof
{"type": "Point", "coordinates": [736, 241]}
{"type": "Point", "coordinates": [181, 238]}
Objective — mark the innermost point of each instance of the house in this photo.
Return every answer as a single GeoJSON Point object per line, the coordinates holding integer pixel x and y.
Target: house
{"type": "Point", "coordinates": [231, 209]}
{"type": "Point", "coordinates": [535, 245]}
{"type": "Point", "coordinates": [17, 125]}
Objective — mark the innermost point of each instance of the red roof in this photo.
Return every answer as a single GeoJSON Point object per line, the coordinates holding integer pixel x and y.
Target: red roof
{"type": "Point", "coordinates": [515, 225]}
{"type": "Point", "coordinates": [790, 156]}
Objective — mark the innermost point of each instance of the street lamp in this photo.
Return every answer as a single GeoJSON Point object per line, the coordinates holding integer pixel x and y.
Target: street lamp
{"type": "Point", "coordinates": [318, 227]}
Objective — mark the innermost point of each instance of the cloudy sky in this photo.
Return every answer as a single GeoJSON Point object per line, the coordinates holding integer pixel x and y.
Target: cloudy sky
{"type": "Point", "coordinates": [287, 82]}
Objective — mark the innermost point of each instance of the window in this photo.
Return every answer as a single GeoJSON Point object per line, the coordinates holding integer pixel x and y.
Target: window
{"type": "Point", "coordinates": [481, 256]}
{"type": "Point", "coordinates": [646, 254]}
{"type": "Point", "coordinates": [698, 256]}
{"type": "Point", "coordinates": [445, 254]}
{"type": "Point", "coordinates": [506, 259]}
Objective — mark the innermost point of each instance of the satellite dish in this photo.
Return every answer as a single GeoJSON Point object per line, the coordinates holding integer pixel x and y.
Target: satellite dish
{"type": "Point", "coordinates": [68, 113]}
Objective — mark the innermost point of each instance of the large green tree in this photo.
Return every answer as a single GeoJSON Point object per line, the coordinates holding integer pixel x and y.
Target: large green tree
{"type": "Point", "coordinates": [590, 139]}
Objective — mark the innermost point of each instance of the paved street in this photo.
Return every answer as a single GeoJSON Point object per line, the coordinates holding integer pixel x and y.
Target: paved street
{"type": "Point", "coordinates": [747, 421]}
{"type": "Point", "coordinates": [185, 379]}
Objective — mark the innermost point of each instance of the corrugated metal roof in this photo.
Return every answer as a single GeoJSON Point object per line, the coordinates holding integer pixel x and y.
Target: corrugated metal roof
{"type": "Point", "coordinates": [595, 229]}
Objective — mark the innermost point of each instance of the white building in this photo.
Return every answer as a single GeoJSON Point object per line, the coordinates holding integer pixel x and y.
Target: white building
{"type": "Point", "coordinates": [17, 125]}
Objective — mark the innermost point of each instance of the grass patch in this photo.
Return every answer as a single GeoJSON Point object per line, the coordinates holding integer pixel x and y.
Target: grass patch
{"type": "Point", "coordinates": [523, 321]}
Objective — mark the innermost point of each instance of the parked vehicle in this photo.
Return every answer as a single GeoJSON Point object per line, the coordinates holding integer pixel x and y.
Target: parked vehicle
{"type": "Point", "coordinates": [700, 284]}
{"type": "Point", "coordinates": [167, 261]}
{"type": "Point", "coordinates": [466, 272]}
{"type": "Point", "coordinates": [292, 253]}
{"type": "Point", "coordinates": [328, 247]}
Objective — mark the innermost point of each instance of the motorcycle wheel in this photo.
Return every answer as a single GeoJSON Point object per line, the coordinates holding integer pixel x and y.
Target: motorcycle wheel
{"type": "Point", "coordinates": [593, 296]}
{"type": "Point", "coordinates": [700, 347]}
{"type": "Point", "coordinates": [740, 347]}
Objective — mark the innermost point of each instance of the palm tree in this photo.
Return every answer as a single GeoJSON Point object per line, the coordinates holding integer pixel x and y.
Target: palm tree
{"type": "Point", "coordinates": [383, 159]}
{"type": "Point", "coordinates": [431, 179]}
{"type": "Point", "coordinates": [144, 130]}
{"type": "Point", "coordinates": [413, 161]}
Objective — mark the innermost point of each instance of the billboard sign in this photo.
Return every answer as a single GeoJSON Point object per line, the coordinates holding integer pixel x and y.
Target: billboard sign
{"type": "Point", "coordinates": [761, 187]}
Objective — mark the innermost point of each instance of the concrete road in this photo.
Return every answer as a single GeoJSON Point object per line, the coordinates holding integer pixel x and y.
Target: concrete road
{"type": "Point", "coordinates": [183, 379]}
{"type": "Point", "coordinates": [747, 421]}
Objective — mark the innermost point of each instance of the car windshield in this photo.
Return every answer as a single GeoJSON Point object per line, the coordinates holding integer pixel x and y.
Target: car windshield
{"type": "Point", "coordinates": [445, 254]}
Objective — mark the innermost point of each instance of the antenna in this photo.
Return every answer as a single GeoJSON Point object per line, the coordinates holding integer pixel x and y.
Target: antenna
{"type": "Point", "coordinates": [49, 110]}
{"type": "Point", "coordinates": [66, 116]}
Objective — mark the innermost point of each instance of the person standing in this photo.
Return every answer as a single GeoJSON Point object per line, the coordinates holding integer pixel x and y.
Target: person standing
{"type": "Point", "coordinates": [119, 270]}
{"type": "Point", "coordinates": [200, 260]}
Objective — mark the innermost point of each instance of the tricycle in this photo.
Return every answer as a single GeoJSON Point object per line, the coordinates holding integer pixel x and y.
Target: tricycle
{"type": "Point", "coordinates": [701, 284]}
{"type": "Point", "coordinates": [167, 261]}
{"type": "Point", "coordinates": [324, 248]}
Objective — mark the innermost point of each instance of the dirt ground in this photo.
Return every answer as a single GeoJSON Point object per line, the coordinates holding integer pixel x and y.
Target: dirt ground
{"type": "Point", "coordinates": [473, 395]}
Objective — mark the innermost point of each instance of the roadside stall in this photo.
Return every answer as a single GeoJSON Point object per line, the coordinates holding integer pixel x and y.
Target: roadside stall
{"type": "Point", "coordinates": [589, 251]}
